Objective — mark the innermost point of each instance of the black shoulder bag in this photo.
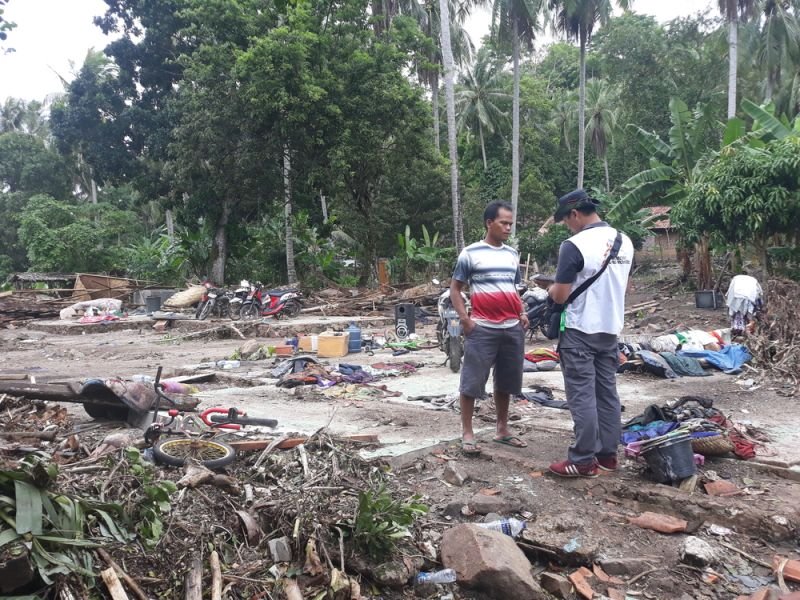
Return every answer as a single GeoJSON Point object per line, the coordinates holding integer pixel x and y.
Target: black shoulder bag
{"type": "Point", "coordinates": [556, 311]}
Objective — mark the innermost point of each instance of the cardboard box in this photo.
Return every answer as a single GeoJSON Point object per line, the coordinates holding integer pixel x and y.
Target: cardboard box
{"type": "Point", "coordinates": [332, 345]}
{"type": "Point", "coordinates": [304, 343]}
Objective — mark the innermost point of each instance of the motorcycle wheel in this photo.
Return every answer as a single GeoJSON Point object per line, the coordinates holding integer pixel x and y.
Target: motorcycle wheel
{"type": "Point", "coordinates": [205, 311]}
{"type": "Point", "coordinates": [249, 312]}
{"type": "Point", "coordinates": [292, 308]}
{"type": "Point", "coordinates": [199, 309]}
{"type": "Point", "coordinates": [456, 351]}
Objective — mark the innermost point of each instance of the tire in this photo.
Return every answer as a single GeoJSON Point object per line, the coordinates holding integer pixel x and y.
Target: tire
{"type": "Point", "coordinates": [199, 309]}
{"type": "Point", "coordinates": [456, 351]}
{"type": "Point", "coordinates": [210, 453]}
{"type": "Point", "coordinates": [105, 412]}
{"type": "Point", "coordinates": [249, 311]}
{"type": "Point", "coordinates": [292, 308]}
{"type": "Point", "coordinates": [205, 311]}
{"type": "Point", "coordinates": [236, 312]}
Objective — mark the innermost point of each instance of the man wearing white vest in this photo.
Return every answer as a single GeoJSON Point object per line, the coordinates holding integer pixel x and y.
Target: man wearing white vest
{"type": "Point", "coordinates": [590, 325]}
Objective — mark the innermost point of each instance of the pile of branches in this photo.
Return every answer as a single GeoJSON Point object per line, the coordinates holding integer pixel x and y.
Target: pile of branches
{"type": "Point", "coordinates": [775, 344]}
{"type": "Point", "coordinates": [170, 531]}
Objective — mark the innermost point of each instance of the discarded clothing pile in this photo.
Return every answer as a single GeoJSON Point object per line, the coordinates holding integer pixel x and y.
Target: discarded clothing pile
{"type": "Point", "coordinates": [349, 380]}
{"type": "Point", "coordinates": [693, 415]}
{"type": "Point", "coordinates": [540, 359]}
{"type": "Point", "coordinates": [678, 361]}
{"type": "Point", "coordinates": [544, 396]}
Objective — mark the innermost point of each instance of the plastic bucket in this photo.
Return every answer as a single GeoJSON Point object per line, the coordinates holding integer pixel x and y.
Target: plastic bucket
{"type": "Point", "coordinates": [672, 460]}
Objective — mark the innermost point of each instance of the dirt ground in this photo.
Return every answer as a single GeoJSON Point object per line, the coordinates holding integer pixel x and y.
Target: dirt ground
{"type": "Point", "coordinates": [571, 522]}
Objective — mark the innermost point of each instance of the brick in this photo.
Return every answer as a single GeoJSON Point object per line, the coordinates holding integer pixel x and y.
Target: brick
{"type": "Point", "coordinates": [558, 585]}
{"type": "Point", "coordinates": [721, 488]}
{"type": "Point", "coordinates": [791, 571]}
{"type": "Point", "coordinates": [658, 522]}
{"type": "Point", "coordinates": [581, 585]}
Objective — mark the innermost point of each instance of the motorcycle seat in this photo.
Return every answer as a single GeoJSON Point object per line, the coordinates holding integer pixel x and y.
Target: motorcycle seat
{"type": "Point", "coordinates": [281, 292]}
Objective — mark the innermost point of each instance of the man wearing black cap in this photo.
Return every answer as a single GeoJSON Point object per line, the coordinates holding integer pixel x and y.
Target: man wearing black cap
{"type": "Point", "coordinates": [590, 324]}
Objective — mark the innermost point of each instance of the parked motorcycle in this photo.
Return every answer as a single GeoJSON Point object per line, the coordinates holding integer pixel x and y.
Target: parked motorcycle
{"type": "Point", "coordinates": [449, 332]}
{"type": "Point", "coordinates": [203, 299]}
{"type": "Point", "coordinates": [535, 301]}
{"type": "Point", "coordinates": [238, 299]}
{"type": "Point", "coordinates": [215, 301]}
{"type": "Point", "coordinates": [271, 303]}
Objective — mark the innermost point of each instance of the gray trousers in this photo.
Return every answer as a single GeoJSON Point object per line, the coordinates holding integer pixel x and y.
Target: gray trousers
{"type": "Point", "coordinates": [589, 363]}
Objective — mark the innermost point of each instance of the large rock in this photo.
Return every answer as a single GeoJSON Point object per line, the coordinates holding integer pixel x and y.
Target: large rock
{"type": "Point", "coordinates": [502, 505]}
{"type": "Point", "coordinates": [698, 552]}
{"type": "Point", "coordinates": [454, 474]}
{"type": "Point", "coordinates": [489, 561]}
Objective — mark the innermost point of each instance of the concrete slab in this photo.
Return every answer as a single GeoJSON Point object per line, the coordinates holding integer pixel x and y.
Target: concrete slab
{"type": "Point", "coordinates": [267, 327]}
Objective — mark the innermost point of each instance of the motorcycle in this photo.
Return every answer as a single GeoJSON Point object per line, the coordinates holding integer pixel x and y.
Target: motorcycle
{"type": "Point", "coordinates": [449, 332]}
{"type": "Point", "coordinates": [238, 299]}
{"type": "Point", "coordinates": [215, 301]}
{"type": "Point", "coordinates": [273, 303]}
{"type": "Point", "coordinates": [535, 301]}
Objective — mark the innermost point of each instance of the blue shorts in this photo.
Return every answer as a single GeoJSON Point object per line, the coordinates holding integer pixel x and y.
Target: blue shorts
{"type": "Point", "coordinates": [487, 347]}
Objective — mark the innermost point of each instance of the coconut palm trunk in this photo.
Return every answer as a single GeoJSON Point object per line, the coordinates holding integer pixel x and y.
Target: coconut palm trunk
{"type": "Point", "coordinates": [483, 146]}
{"type": "Point", "coordinates": [733, 61]}
{"type": "Point", "coordinates": [435, 103]}
{"type": "Point", "coordinates": [515, 128]}
{"type": "Point", "coordinates": [582, 109]}
{"type": "Point", "coordinates": [608, 179]}
{"type": "Point", "coordinates": [291, 271]}
{"type": "Point", "coordinates": [447, 57]}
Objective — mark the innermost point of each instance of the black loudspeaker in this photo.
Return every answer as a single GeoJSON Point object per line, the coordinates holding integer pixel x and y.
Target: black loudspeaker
{"type": "Point", "coordinates": [404, 319]}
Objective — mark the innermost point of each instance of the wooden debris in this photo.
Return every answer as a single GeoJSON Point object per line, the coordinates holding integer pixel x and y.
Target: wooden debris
{"type": "Point", "coordinates": [113, 584]}
{"type": "Point", "coordinates": [132, 585]}
{"type": "Point", "coordinates": [47, 436]}
{"type": "Point", "coordinates": [216, 576]}
{"type": "Point", "coordinates": [194, 581]}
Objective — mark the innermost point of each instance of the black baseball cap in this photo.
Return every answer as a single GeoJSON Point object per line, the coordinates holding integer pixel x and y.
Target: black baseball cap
{"type": "Point", "coordinates": [575, 199]}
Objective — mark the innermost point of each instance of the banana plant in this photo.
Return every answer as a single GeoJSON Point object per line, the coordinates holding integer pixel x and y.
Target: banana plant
{"type": "Point", "coordinates": [54, 529]}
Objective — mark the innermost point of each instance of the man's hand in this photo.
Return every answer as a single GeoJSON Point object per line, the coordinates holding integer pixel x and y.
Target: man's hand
{"type": "Point", "coordinates": [523, 319]}
{"type": "Point", "coordinates": [468, 325]}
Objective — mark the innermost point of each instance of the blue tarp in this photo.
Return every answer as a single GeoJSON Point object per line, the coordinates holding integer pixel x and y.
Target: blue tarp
{"type": "Point", "coordinates": [729, 360]}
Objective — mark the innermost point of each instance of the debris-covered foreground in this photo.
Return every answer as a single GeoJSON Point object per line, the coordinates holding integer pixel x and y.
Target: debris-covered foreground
{"type": "Point", "coordinates": [86, 514]}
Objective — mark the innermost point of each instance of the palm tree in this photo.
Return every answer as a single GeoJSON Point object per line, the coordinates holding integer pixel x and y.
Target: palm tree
{"type": "Point", "coordinates": [449, 68]}
{"type": "Point", "coordinates": [601, 119]}
{"type": "Point", "coordinates": [779, 39]}
{"type": "Point", "coordinates": [577, 19]}
{"type": "Point", "coordinates": [516, 21]}
{"type": "Point", "coordinates": [461, 45]}
{"type": "Point", "coordinates": [12, 114]}
{"type": "Point", "coordinates": [734, 11]}
{"type": "Point", "coordinates": [564, 118]}
{"type": "Point", "coordinates": [477, 97]}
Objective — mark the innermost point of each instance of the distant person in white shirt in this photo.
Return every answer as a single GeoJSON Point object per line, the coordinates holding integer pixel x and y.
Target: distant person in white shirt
{"type": "Point", "coordinates": [745, 301]}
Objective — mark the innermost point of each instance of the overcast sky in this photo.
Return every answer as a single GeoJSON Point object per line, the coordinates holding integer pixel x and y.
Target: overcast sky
{"type": "Point", "coordinates": [51, 33]}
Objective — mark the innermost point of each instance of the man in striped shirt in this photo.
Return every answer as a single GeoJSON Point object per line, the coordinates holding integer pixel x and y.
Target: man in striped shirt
{"type": "Point", "coordinates": [495, 331]}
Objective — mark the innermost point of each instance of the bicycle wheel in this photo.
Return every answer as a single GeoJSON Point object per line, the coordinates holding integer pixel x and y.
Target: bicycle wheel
{"type": "Point", "coordinates": [208, 452]}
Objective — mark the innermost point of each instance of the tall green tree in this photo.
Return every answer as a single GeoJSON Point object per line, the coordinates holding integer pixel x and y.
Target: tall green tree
{"type": "Point", "coordinates": [577, 19]}
{"type": "Point", "coordinates": [601, 120]}
{"type": "Point", "coordinates": [450, 101]}
{"type": "Point", "coordinates": [478, 98]}
{"type": "Point", "coordinates": [735, 12]}
{"type": "Point", "coordinates": [516, 21]}
{"type": "Point", "coordinates": [779, 41]}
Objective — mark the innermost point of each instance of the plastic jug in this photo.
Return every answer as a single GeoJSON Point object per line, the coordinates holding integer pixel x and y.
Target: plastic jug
{"type": "Point", "coordinates": [354, 345]}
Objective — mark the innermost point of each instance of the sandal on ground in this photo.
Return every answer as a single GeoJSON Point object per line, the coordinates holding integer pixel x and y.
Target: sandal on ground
{"type": "Point", "coordinates": [470, 448]}
{"type": "Point", "coordinates": [511, 440]}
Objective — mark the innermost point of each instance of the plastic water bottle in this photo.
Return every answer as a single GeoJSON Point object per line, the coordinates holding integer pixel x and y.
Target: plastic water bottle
{"type": "Point", "coordinates": [511, 527]}
{"type": "Point", "coordinates": [443, 576]}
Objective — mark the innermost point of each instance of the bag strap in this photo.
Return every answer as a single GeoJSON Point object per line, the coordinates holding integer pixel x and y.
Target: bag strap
{"type": "Point", "coordinates": [585, 285]}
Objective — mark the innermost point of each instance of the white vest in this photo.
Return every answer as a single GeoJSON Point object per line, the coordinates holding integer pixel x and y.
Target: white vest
{"type": "Point", "coordinates": [601, 308]}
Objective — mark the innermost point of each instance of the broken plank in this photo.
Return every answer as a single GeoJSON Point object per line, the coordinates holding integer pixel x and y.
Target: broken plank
{"type": "Point", "coordinates": [60, 392]}
{"type": "Point", "coordinates": [113, 584]}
